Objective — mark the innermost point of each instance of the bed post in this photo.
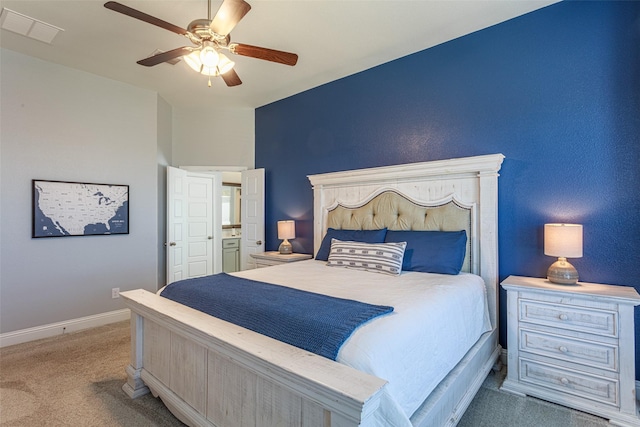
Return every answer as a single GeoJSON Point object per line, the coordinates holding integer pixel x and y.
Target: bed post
{"type": "Point", "coordinates": [488, 188]}
{"type": "Point", "coordinates": [318, 217]}
{"type": "Point", "coordinates": [134, 387]}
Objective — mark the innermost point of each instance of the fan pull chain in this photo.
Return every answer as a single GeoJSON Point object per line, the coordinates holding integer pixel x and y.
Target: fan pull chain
{"type": "Point", "coordinates": [209, 81]}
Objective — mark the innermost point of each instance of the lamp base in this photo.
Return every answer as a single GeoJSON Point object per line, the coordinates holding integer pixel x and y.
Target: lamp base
{"type": "Point", "coordinates": [285, 248]}
{"type": "Point", "coordinates": [562, 272]}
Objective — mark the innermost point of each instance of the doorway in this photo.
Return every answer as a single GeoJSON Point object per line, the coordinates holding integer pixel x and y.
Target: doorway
{"type": "Point", "coordinates": [194, 196]}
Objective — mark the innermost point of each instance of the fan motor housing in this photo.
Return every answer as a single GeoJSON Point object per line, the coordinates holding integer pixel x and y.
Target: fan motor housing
{"type": "Point", "coordinates": [201, 28]}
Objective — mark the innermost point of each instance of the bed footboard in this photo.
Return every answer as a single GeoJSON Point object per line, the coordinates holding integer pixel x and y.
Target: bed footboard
{"type": "Point", "coordinates": [212, 373]}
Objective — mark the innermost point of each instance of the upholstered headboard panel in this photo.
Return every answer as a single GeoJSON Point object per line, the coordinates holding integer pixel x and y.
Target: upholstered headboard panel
{"type": "Point", "coordinates": [396, 212]}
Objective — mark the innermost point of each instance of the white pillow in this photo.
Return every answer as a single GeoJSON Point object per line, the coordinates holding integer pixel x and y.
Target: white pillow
{"type": "Point", "coordinates": [378, 257]}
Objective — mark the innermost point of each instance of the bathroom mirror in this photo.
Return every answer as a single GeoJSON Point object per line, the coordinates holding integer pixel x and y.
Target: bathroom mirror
{"type": "Point", "coordinates": [231, 205]}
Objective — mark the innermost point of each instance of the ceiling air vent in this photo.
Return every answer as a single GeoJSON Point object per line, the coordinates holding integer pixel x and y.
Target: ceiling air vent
{"type": "Point", "coordinates": [27, 26]}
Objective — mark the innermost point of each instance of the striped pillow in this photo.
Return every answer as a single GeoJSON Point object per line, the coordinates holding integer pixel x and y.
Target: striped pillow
{"type": "Point", "coordinates": [379, 257]}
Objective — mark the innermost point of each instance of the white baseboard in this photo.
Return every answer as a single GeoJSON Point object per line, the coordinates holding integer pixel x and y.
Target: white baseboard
{"type": "Point", "coordinates": [503, 358]}
{"type": "Point", "coordinates": [53, 329]}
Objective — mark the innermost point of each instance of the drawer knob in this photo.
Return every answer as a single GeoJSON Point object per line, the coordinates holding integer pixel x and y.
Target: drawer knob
{"type": "Point", "coordinates": [563, 349]}
{"type": "Point", "coordinates": [564, 317]}
{"type": "Point", "coordinates": [564, 381]}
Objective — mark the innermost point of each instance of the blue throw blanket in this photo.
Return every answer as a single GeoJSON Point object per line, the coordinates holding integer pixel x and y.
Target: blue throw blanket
{"type": "Point", "coordinates": [313, 322]}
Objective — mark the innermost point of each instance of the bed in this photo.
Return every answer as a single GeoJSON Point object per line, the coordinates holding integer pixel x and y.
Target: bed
{"type": "Point", "coordinates": [212, 373]}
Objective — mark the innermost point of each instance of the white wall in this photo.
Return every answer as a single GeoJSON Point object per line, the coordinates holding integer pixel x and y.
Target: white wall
{"type": "Point", "coordinates": [215, 136]}
{"type": "Point", "coordinates": [62, 124]}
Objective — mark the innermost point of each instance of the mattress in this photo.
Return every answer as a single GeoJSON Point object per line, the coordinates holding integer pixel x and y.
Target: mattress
{"type": "Point", "coordinates": [436, 319]}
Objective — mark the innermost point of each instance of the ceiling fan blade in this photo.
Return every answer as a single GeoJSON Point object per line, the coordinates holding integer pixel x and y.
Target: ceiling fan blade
{"type": "Point", "coordinates": [231, 78]}
{"type": "Point", "coordinates": [126, 10]}
{"type": "Point", "coordinates": [285, 58]}
{"type": "Point", "coordinates": [228, 16]}
{"type": "Point", "coordinates": [165, 56]}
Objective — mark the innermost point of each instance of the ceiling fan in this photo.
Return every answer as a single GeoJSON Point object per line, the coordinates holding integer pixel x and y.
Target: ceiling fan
{"type": "Point", "coordinates": [210, 37]}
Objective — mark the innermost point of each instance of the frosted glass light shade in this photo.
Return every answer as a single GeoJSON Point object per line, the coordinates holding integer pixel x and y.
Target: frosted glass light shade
{"type": "Point", "coordinates": [193, 60]}
{"type": "Point", "coordinates": [208, 55]}
{"type": "Point", "coordinates": [225, 64]}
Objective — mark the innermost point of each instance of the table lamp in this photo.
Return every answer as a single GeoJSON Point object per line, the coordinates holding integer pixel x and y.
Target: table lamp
{"type": "Point", "coordinates": [286, 230]}
{"type": "Point", "coordinates": [563, 241]}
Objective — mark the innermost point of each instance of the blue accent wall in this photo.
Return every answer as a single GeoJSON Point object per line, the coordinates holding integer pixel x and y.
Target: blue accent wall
{"type": "Point", "coordinates": [557, 91]}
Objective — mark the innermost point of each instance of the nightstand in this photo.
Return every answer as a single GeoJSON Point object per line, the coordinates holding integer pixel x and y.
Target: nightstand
{"type": "Point", "coordinates": [573, 345]}
{"type": "Point", "coordinates": [266, 259]}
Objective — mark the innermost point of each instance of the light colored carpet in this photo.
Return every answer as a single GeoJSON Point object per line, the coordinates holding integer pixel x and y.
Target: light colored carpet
{"type": "Point", "coordinates": [494, 408]}
{"type": "Point", "coordinates": [76, 380]}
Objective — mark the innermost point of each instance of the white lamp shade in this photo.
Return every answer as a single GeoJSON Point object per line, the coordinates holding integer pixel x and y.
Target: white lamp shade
{"type": "Point", "coordinates": [563, 240]}
{"type": "Point", "coordinates": [286, 229]}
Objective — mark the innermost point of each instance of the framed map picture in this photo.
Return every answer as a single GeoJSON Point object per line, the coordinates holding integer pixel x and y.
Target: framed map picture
{"type": "Point", "coordinates": [79, 209]}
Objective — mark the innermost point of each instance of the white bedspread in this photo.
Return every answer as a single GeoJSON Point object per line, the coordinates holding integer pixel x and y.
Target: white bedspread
{"type": "Point", "coordinates": [436, 320]}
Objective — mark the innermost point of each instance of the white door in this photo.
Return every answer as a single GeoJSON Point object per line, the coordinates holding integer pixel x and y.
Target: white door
{"type": "Point", "coordinates": [190, 248]}
{"type": "Point", "coordinates": [199, 259]}
{"type": "Point", "coordinates": [252, 216]}
{"type": "Point", "coordinates": [176, 224]}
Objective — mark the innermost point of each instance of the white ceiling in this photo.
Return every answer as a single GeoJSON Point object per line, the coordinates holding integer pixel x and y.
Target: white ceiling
{"type": "Point", "coordinates": [333, 39]}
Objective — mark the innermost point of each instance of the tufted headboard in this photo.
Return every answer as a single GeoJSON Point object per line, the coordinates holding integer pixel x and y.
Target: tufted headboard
{"type": "Point", "coordinates": [394, 211]}
{"type": "Point", "coordinates": [451, 195]}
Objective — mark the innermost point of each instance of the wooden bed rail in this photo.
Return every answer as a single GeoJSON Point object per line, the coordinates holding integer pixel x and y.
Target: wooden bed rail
{"type": "Point", "coordinates": [213, 373]}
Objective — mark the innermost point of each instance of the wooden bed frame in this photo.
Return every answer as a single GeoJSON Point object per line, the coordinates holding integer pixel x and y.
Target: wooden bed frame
{"type": "Point", "coordinates": [212, 373]}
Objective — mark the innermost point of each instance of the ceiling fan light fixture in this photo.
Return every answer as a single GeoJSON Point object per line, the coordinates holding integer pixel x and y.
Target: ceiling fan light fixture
{"type": "Point", "coordinates": [225, 64]}
{"type": "Point", "coordinates": [193, 61]}
{"type": "Point", "coordinates": [222, 66]}
{"type": "Point", "coordinates": [209, 56]}
{"type": "Point", "coordinates": [208, 36]}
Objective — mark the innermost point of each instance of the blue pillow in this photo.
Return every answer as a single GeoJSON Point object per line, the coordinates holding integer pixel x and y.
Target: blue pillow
{"type": "Point", "coordinates": [431, 251]}
{"type": "Point", "coordinates": [364, 236]}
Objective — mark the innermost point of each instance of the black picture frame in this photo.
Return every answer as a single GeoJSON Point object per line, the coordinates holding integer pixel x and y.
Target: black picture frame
{"type": "Point", "coordinates": [67, 208]}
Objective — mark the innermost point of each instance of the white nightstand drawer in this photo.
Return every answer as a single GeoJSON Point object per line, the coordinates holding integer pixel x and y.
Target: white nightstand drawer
{"type": "Point", "coordinates": [603, 390]}
{"type": "Point", "coordinates": [592, 321]}
{"type": "Point", "coordinates": [595, 354]}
